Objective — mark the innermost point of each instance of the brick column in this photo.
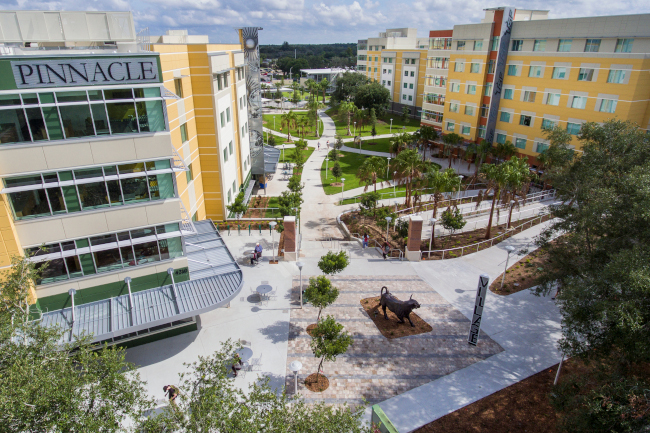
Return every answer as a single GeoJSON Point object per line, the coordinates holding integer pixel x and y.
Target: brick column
{"type": "Point", "coordinates": [290, 239]}
{"type": "Point", "coordinates": [414, 239]}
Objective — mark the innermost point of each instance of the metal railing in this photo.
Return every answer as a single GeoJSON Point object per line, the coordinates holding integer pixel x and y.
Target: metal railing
{"type": "Point", "coordinates": [377, 246]}
{"type": "Point", "coordinates": [474, 248]}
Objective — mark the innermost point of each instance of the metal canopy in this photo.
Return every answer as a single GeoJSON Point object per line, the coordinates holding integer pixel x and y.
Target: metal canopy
{"type": "Point", "coordinates": [215, 279]}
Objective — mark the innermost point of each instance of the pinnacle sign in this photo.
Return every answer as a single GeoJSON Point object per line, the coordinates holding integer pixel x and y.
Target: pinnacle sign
{"type": "Point", "coordinates": [85, 72]}
{"type": "Point", "coordinates": [475, 327]}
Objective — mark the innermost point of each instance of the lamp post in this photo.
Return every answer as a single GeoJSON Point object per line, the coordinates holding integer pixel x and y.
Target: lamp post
{"type": "Point", "coordinates": [72, 292]}
{"type": "Point", "coordinates": [396, 203]}
{"type": "Point", "coordinates": [283, 153]}
{"type": "Point", "coordinates": [300, 265]}
{"type": "Point", "coordinates": [295, 366]}
{"type": "Point", "coordinates": [509, 249]}
{"type": "Point", "coordinates": [387, 166]}
{"type": "Point", "coordinates": [327, 160]}
{"type": "Point", "coordinates": [512, 205]}
{"type": "Point", "coordinates": [273, 122]}
{"type": "Point", "coordinates": [432, 223]}
{"type": "Point", "coordinates": [460, 180]}
{"type": "Point", "coordinates": [394, 175]}
{"type": "Point", "coordinates": [388, 220]}
{"type": "Point", "coordinates": [355, 129]}
{"type": "Point", "coordinates": [391, 126]}
{"type": "Point", "coordinates": [342, 186]}
{"type": "Point", "coordinates": [272, 224]}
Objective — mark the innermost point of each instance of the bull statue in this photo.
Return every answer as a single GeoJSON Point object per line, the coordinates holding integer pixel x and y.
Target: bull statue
{"type": "Point", "coordinates": [401, 309]}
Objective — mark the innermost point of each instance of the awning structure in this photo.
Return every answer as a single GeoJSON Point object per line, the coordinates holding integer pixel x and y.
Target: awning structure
{"type": "Point", "coordinates": [215, 279]}
{"type": "Point", "coordinates": [271, 159]}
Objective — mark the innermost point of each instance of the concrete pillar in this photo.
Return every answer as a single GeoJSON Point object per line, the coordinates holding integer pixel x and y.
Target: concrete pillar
{"type": "Point", "coordinates": [290, 239]}
{"type": "Point", "coordinates": [414, 239]}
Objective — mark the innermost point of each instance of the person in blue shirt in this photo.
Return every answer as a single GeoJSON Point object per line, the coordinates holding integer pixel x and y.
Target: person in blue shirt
{"type": "Point", "coordinates": [257, 253]}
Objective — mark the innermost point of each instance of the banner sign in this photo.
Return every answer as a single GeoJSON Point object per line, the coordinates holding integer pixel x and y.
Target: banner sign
{"type": "Point", "coordinates": [499, 72]}
{"type": "Point", "coordinates": [481, 291]}
{"type": "Point", "coordinates": [84, 72]}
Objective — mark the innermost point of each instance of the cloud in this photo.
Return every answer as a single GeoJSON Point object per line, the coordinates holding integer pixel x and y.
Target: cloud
{"type": "Point", "coordinates": [351, 14]}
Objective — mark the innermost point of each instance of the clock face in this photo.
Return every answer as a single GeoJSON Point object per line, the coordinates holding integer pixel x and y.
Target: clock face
{"type": "Point", "coordinates": [250, 43]}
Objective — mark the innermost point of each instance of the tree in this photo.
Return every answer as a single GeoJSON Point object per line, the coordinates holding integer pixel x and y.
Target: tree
{"type": "Point", "coordinates": [320, 293]}
{"type": "Point", "coordinates": [409, 168]}
{"type": "Point", "coordinates": [333, 155]}
{"type": "Point", "coordinates": [347, 85]}
{"type": "Point", "coordinates": [338, 144]}
{"type": "Point", "coordinates": [333, 263]}
{"type": "Point", "coordinates": [270, 139]}
{"type": "Point", "coordinates": [294, 184]}
{"type": "Point", "coordinates": [426, 135]}
{"type": "Point", "coordinates": [452, 219]}
{"type": "Point", "coordinates": [48, 385]}
{"type": "Point", "coordinates": [372, 95]}
{"type": "Point", "coordinates": [406, 113]}
{"type": "Point", "coordinates": [324, 85]}
{"type": "Point", "coordinates": [210, 401]}
{"type": "Point", "coordinates": [505, 150]}
{"type": "Point", "coordinates": [370, 169]}
{"type": "Point", "coordinates": [238, 208]}
{"type": "Point", "coordinates": [399, 141]}
{"type": "Point", "coordinates": [368, 202]}
{"type": "Point", "coordinates": [451, 143]}
{"type": "Point", "coordinates": [295, 97]}
{"type": "Point", "coordinates": [372, 119]}
{"type": "Point", "coordinates": [437, 182]}
{"type": "Point", "coordinates": [329, 340]}
{"type": "Point", "coordinates": [336, 170]}
{"type": "Point", "coordinates": [558, 156]}
{"type": "Point", "coordinates": [347, 110]}
{"type": "Point", "coordinates": [289, 203]}
{"type": "Point", "coordinates": [288, 120]}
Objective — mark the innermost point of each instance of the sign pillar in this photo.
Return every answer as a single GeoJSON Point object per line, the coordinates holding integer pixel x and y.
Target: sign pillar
{"type": "Point", "coordinates": [481, 291]}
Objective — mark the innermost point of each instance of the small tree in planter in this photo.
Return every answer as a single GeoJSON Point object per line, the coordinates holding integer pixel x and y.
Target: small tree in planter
{"type": "Point", "coordinates": [336, 171]}
{"type": "Point", "coordinates": [271, 139]}
{"type": "Point", "coordinates": [329, 340]}
{"type": "Point", "coordinates": [452, 220]}
{"type": "Point", "coordinates": [333, 155]}
{"type": "Point", "coordinates": [320, 293]}
{"type": "Point", "coordinates": [333, 263]}
{"type": "Point", "coordinates": [238, 208]}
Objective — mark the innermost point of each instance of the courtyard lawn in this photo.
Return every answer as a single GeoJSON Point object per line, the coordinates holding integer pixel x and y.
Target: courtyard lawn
{"type": "Point", "coordinates": [379, 144]}
{"type": "Point", "coordinates": [383, 124]}
{"type": "Point", "coordinates": [288, 153]}
{"type": "Point", "coordinates": [350, 163]}
{"type": "Point", "coordinates": [275, 125]}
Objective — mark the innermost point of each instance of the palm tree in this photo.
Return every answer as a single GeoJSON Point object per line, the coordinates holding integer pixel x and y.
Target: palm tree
{"type": "Point", "coordinates": [425, 135]}
{"type": "Point", "coordinates": [399, 141]}
{"type": "Point", "coordinates": [347, 109]}
{"type": "Point", "coordinates": [370, 170]}
{"type": "Point", "coordinates": [451, 142]}
{"type": "Point", "coordinates": [409, 168]}
{"type": "Point", "coordinates": [324, 84]}
{"type": "Point", "coordinates": [505, 150]}
{"type": "Point", "coordinates": [482, 151]}
{"type": "Point", "coordinates": [439, 182]}
{"type": "Point", "coordinates": [303, 123]}
{"type": "Point", "coordinates": [288, 119]}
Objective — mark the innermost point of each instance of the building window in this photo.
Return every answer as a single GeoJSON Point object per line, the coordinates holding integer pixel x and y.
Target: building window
{"type": "Point", "coordinates": [608, 105]}
{"type": "Point", "coordinates": [432, 116]}
{"type": "Point", "coordinates": [540, 147]}
{"type": "Point", "coordinates": [508, 93]}
{"type": "Point", "coordinates": [460, 45]}
{"type": "Point", "coordinates": [434, 98]}
{"type": "Point", "coordinates": [438, 62]}
{"type": "Point", "coordinates": [525, 120]}
{"type": "Point", "coordinates": [579, 102]}
{"type": "Point", "coordinates": [512, 70]}
{"type": "Point", "coordinates": [453, 107]}
{"type": "Point", "coordinates": [548, 124]}
{"type": "Point", "coordinates": [184, 135]}
{"type": "Point", "coordinates": [469, 110]}
{"type": "Point", "coordinates": [189, 174]}
{"type": "Point", "coordinates": [517, 45]}
{"type": "Point", "coordinates": [573, 128]}
{"type": "Point", "coordinates": [501, 138]}
{"type": "Point", "coordinates": [412, 73]}
{"type": "Point", "coordinates": [405, 86]}
{"type": "Point", "coordinates": [564, 46]}
{"type": "Point", "coordinates": [494, 43]}
{"type": "Point", "coordinates": [383, 82]}
{"type": "Point", "coordinates": [540, 45]}
{"type": "Point", "coordinates": [229, 196]}
{"type": "Point", "coordinates": [482, 130]}
{"type": "Point", "coordinates": [459, 67]}
{"type": "Point", "coordinates": [529, 96]}
{"type": "Point", "coordinates": [623, 45]}
{"type": "Point", "coordinates": [450, 126]}
{"type": "Point", "coordinates": [454, 87]}
{"type": "Point", "coordinates": [520, 143]}
{"type": "Point", "coordinates": [484, 110]}
{"type": "Point", "coordinates": [178, 86]}
{"type": "Point", "coordinates": [592, 46]}
{"type": "Point", "coordinates": [586, 74]}
{"type": "Point", "coordinates": [406, 73]}
{"type": "Point", "coordinates": [411, 86]}
{"type": "Point", "coordinates": [475, 68]}
{"type": "Point", "coordinates": [225, 154]}
{"type": "Point", "coordinates": [465, 130]}
{"type": "Point", "coordinates": [222, 116]}
{"type": "Point", "coordinates": [616, 76]}
{"type": "Point", "coordinates": [478, 45]}
{"type": "Point", "coordinates": [505, 117]}
{"type": "Point", "coordinates": [487, 91]}
{"type": "Point", "coordinates": [228, 114]}
{"type": "Point", "coordinates": [491, 66]}
{"type": "Point", "coordinates": [230, 148]}
{"type": "Point", "coordinates": [404, 97]}
{"type": "Point", "coordinates": [471, 89]}
{"type": "Point", "coordinates": [559, 73]}
{"type": "Point", "coordinates": [410, 98]}
{"type": "Point", "coordinates": [389, 82]}
{"type": "Point", "coordinates": [535, 71]}
{"type": "Point", "coordinates": [553, 99]}
{"type": "Point", "coordinates": [440, 43]}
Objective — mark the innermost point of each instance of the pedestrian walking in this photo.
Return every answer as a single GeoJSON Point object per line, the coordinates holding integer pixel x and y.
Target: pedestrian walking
{"type": "Point", "coordinates": [385, 250]}
{"type": "Point", "coordinates": [366, 239]}
{"type": "Point", "coordinates": [237, 365]}
{"type": "Point", "coordinates": [171, 392]}
{"type": "Point", "coordinates": [328, 145]}
{"type": "Point", "coordinates": [319, 145]}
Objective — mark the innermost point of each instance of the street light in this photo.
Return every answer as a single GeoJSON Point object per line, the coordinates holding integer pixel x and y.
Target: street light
{"type": "Point", "coordinates": [355, 129]}
{"type": "Point", "coordinates": [295, 367]}
{"type": "Point", "coordinates": [387, 165]}
{"type": "Point", "coordinates": [509, 249]}
{"type": "Point", "coordinates": [432, 223]}
{"type": "Point", "coordinates": [300, 265]}
{"type": "Point", "coordinates": [460, 180]}
{"type": "Point", "coordinates": [327, 160]}
{"type": "Point", "coordinates": [394, 175]}
{"type": "Point", "coordinates": [283, 153]}
{"type": "Point", "coordinates": [342, 186]}
{"type": "Point", "coordinates": [388, 220]}
{"type": "Point", "coordinates": [396, 203]}
{"type": "Point", "coordinates": [272, 224]}
{"type": "Point", "coordinates": [391, 126]}
{"type": "Point", "coordinates": [512, 205]}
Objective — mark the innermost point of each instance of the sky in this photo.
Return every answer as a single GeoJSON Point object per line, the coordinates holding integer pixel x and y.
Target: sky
{"type": "Point", "coordinates": [316, 21]}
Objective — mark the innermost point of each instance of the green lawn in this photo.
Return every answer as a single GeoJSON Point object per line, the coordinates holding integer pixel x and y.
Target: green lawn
{"type": "Point", "coordinates": [289, 152]}
{"type": "Point", "coordinates": [350, 163]}
{"type": "Point", "coordinates": [275, 125]}
{"type": "Point", "coordinates": [380, 144]}
{"type": "Point", "coordinates": [383, 124]}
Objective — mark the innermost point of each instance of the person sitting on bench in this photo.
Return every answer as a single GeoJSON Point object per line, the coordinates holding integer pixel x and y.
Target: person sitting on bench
{"type": "Point", "coordinates": [257, 253]}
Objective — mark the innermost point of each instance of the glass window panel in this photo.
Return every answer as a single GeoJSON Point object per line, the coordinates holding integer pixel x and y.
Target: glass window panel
{"type": "Point", "coordinates": [123, 236]}
{"type": "Point", "coordinates": [151, 165]}
{"type": "Point", "coordinates": [110, 170]}
{"type": "Point", "coordinates": [36, 123]}
{"type": "Point", "coordinates": [183, 129]}
{"type": "Point", "coordinates": [30, 98]}
{"type": "Point", "coordinates": [118, 94]}
{"type": "Point", "coordinates": [121, 116]}
{"type": "Point", "coordinates": [167, 228]}
{"type": "Point", "coordinates": [114, 192]}
{"type": "Point", "coordinates": [150, 116]}
{"type": "Point", "coordinates": [6, 100]}
{"type": "Point", "coordinates": [42, 250]}
{"type": "Point", "coordinates": [87, 264]}
{"type": "Point", "coordinates": [93, 195]}
{"type": "Point", "coordinates": [140, 233]}
{"type": "Point", "coordinates": [507, 93]}
{"type": "Point", "coordinates": [101, 121]}
{"type": "Point", "coordinates": [171, 248]}
{"type": "Point", "coordinates": [136, 167]}
{"type": "Point", "coordinates": [74, 267]}
{"type": "Point", "coordinates": [29, 204]}
{"type": "Point", "coordinates": [520, 143]}
{"type": "Point", "coordinates": [128, 259]}
{"type": "Point", "coordinates": [23, 181]}
{"type": "Point", "coordinates": [56, 200]}
{"type": "Point", "coordinates": [67, 246]}
{"type": "Point", "coordinates": [152, 92]}
{"type": "Point", "coordinates": [65, 175]}
{"type": "Point", "coordinates": [135, 189]}
{"type": "Point", "coordinates": [82, 243]}
{"type": "Point", "coordinates": [76, 120]}
{"type": "Point", "coordinates": [13, 126]}
{"type": "Point", "coordinates": [108, 260]}
{"type": "Point", "coordinates": [52, 122]}
{"type": "Point", "coordinates": [74, 96]}
{"type": "Point", "coordinates": [46, 98]}
{"type": "Point", "coordinates": [50, 177]}
{"type": "Point", "coordinates": [88, 173]}
{"type": "Point", "coordinates": [146, 252]}
{"type": "Point", "coordinates": [161, 186]}
{"type": "Point", "coordinates": [103, 239]}
{"type": "Point", "coordinates": [95, 95]}
{"type": "Point", "coordinates": [71, 199]}
{"type": "Point", "coordinates": [52, 271]}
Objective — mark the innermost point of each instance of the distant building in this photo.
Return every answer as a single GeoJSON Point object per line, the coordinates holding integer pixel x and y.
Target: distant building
{"type": "Point", "coordinates": [331, 74]}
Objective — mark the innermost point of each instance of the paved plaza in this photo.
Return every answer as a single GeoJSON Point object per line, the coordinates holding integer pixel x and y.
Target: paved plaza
{"type": "Point", "coordinates": [375, 368]}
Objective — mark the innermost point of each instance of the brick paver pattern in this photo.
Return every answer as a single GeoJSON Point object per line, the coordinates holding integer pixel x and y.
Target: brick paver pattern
{"type": "Point", "coordinates": [374, 367]}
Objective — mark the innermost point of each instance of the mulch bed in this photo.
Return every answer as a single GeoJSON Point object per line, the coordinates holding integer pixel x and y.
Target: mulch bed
{"type": "Point", "coordinates": [391, 328]}
{"type": "Point", "coordinates": [521, 276]}
{"type": "Point", "coordinates": [317, 382]}
{"type": "Point", "coordinates": [310, 328]}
